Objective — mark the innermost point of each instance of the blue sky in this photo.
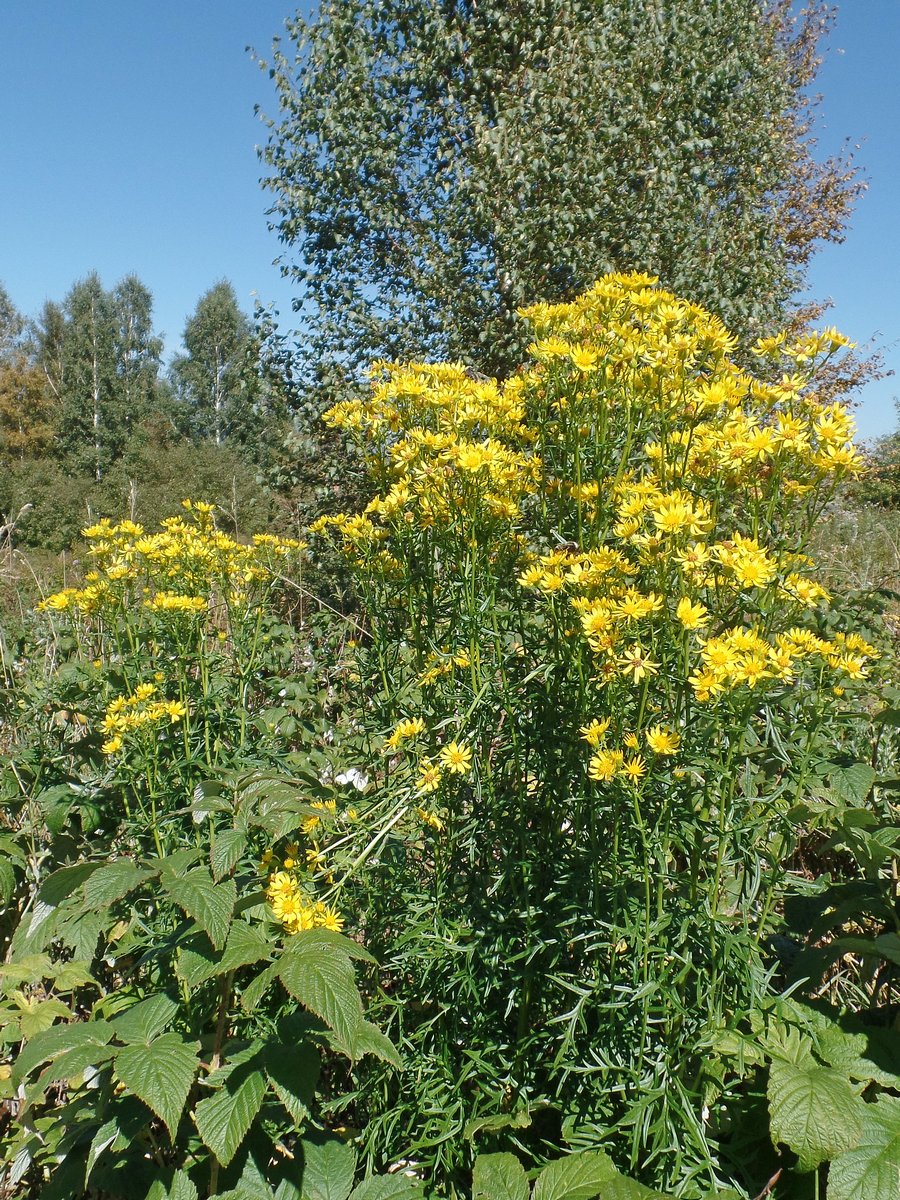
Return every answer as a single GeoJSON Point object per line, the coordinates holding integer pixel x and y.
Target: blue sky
{"type": "Point", "coordinates": [129, 140]}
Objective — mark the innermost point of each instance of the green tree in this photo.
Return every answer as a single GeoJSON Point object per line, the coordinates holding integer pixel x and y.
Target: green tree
{"type": "Point", "coordinates": [211, 377]}
{"type": "Point", "coordinates": [435, 164]}
{"type": "Point", "coordinates": [138, 351]}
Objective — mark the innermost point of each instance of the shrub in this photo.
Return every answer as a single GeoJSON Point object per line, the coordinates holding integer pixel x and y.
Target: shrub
{"type": "Point", "coordinates": [602, 685]}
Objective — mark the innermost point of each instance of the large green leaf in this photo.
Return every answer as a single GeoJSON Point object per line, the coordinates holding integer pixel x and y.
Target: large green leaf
{"type": "Point", "coordinates": [579, 1176]}
{"type": "Point", "coordinates": [209, 904]}
{"type": "Point", "coordinates": [144, 1020]}
{"type": "Point", "coordinates": [111, 882]}
{"type": "Point", "coordinates": [56, 1041]}
{"type": "Point", "coordinates": [322, 979]}
{"type": "Point", "coordinates": [328, 1170]}
{"type": "Point", "coordinates": [226, 850]}
{"type": "Point", "coordinates": [246, 944]}
{"type": "Point", "coordinates": [172, 1186]}
{"type": "Point", "coordinates": [293, 1072]}
{"type": "Point", "coordinates": [813, 1109]}
{"type": "Point", "coordinates": [160, 1073]}
{"type": "Point", "coordinates": [369, 1039]}
{"type": "Point", "coordinates": [871, 1170]}
{"type": "Point", "coordinates": [499, 1177]}
{"type": "Point", "coordinates": [223, 1119]}
{"type": "Point", "coordinates": [387, 1187]}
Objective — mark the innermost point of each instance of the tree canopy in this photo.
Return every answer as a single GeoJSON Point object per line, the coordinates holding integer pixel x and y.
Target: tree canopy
{"type": "Point", "coordinates": [435, 164]}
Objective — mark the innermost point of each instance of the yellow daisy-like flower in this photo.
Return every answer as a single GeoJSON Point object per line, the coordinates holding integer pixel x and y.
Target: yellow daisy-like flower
{"type": "Point", "coordinates": [594, 733]}
{"type": "Point", "coordinates": [634, 769]}
{"type": "Point", "coordinates": [430, 776]}
{"type": "Point", "coordinates": [456, 758]}
{"type": "Point", "coordinates": [691, 616]}
{"type": "Point", "coordinates": [604, 765]}
{"type": "Point", "coordinates": [662, 740]}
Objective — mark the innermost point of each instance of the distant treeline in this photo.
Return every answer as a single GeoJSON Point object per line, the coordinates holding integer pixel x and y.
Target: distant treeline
{"type": "Point", "coordinates": [92, 424]}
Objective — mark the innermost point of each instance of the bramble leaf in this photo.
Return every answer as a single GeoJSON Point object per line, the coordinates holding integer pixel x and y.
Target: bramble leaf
{"type": "Point", "coordinates": [160, 1073]}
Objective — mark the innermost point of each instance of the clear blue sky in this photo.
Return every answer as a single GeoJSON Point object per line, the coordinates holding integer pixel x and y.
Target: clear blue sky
{"type": "Point", "coordinates": [128, 144]}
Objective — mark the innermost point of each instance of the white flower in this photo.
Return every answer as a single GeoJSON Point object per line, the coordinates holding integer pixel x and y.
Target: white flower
{"type": "Point", "coordinates": [359, 779]}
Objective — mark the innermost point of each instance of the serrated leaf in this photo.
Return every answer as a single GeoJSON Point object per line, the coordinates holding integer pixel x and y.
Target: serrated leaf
{"type": "Point", "coordinates": [813, 1110]}
{"type": "Point", "coordinates": [111, 882]}
{"type": "Point", "coordinates": [871, 1170]}
{"type": "Point", "coordinates": [226, 850]}
{"type": "Point", "coordinates": [387, 1187]}
{"type": "Point", "coordinates": [161, 1074]}
{"type": "Point", "coordinates": [224, 1118]}
{"type": "Point", "coordinates": [144, 1020]}
{"type": "Point", "coordinates": [246, 944]}
{"type": "Point", "coordinates": [53, 1042]}
{"type": "Point", "coordinates": [37, 1016]}
{"type": "Point", "coordinates": [197, 961]}
{"type": "Point", "coordinates": [369, 1039]}
{"type": "Point", "coordinates": [499, 1177]}
{"type": "Point", "coordinates": [306, 940]}
{"type": "Point", "coordinates": [257, 988]}
{"type": "Point", "coordinates": [328, 1170]}
{"type": "Point", "coordinates": [176, 1185]}
{"type": "Point", "coordinates": [322, 979]}
{"type": "Point", "coordinates": [293, 1072]}
{"type": "Point", "coordinates": [103, 1139]}
{"type": "Point", "coordinates": [209, 904]}
{"type": "Point", "coordinates": [73, 1063]}
{"type": "Point", "coordinates": [579, 1176]}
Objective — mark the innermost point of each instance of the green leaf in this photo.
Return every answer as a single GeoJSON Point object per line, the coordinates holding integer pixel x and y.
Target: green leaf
{"type": "Point", "coordinates": [53, 1042]}
{"type": "Point", "coordinates": [306, 940]}
{"type": "Point", "coordinates": [257, 988]}
{"type": "Point", "coordinates": [246, 944]}
{"type": "Point", "coordinates": [226, 850]}
{"type": "Point", "coordinates": [111, 882]}
{"type": "Point", "coordinates": [369, 1039]}
{"type": "Point", "coordinates": [37, 1016]}
{"type": "Point", "coordinates": [144, 1020]}
{"type": "Point", "coordinates": [197, 961]}
{"type": "Point", "coordinates": [870, 1054]}
{"type": "Point", "coordinates": [160, 1073]}
{"type": "Point", "coordinates": [387, 1187]}
{"type": "Point", "coordinates": [70, 976]}
{"type": "Point", "coordinates": [813, 1109]}
{"type": "Point", "coordinates": [223, 1119]}
{"type": "Point", "coordinates": [293, 1072]}
{"type": "Point", "coordinates": [172, 1186]}
{"type": "Point", "coordinates": [853, 783]}
{"type": "Point", "coordinates": [7, 882]}
{"type": "Point", "coordinates": [322, 979]}
{"type": "Point", "coordinates": [73, 1063]}
{"type": "Point", "coordinates": [496, 1122]}
{"type": "Point", "coordinates": [209, 904]}
{"type": "Point", "coordinates": [871, 1170]}
{"type": "Point", "coordinates": [499, 1177]}
{"type": "Point", "coordinates": [328, 1170]}
{"type": "Point", "coordinates": [886, 946]}
{"type": "Point", "coordinates": [577, 1177]}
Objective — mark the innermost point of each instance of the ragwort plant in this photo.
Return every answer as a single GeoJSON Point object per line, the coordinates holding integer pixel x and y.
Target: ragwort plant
{"type": "Point", "coordinates": [176, 974]}
{"type": "Point", "coordinates": [602, 684]}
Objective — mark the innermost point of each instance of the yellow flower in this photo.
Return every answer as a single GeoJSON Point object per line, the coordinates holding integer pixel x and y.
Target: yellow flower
{"type": "Point", "coordinates": [594, 732]}
{"type": "Point", "coordinates": [691, 616]}
{"type": "Point", "coordinates": [431, 819]}
{"type": "Point", "coordinates": [604, 765]}
{"type": "Point", "coordinates": [634, 769]}
{"type": "Point", "coordinates": [637, 664]}
{"type": "Point", "coordinates": [456, 758]}
{"type": "Point", "coordinates": [662, 740]}
{"type": "Point", "coordinates": [430, 775]}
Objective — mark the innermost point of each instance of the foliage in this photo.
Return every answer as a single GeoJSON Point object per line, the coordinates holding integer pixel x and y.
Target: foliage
{"type": "Point", "coordinates": [209, 377]}
{"type": "Point", "coordinates": [166, 1039]}
{"type": "Point", "coordinates": [435, 165]}
{"type": "Point", "coordinates": [606, 676]}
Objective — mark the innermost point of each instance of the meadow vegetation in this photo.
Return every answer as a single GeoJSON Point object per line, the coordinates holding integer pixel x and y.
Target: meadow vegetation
{"type": "Point", "coordinates": [562, 861]}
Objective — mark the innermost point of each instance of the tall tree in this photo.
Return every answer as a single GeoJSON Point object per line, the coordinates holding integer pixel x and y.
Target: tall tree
{"type": "Point", "coordinates": [437, 163]}
{"type": "Point", "coordinates": [211, 377]}
{"type": "Point", "coordinates": [138, 351]}
{"type": "Point", "coordinates": [90, 433]}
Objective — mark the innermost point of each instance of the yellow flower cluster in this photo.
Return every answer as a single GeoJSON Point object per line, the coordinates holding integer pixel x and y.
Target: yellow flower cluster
{"type": "Point", "coordinates": [290, 904]}
{"type": "Point", "coordinates": [644, 487]}
{"type": "Point", "coordinates": [142, 710]}
{"type": "Point", "coordinates": [175, 571]}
